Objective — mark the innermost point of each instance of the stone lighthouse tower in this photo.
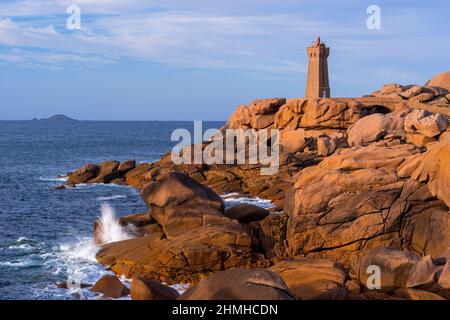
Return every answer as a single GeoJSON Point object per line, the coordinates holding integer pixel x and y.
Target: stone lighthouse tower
{"type": "Point", "coordinates": [318, 84]}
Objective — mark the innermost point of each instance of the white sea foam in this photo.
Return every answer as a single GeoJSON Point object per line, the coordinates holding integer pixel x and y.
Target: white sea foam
{"type": "Point", "coordinates": [17, 263]}
{"type": "Point", "coordinates": [181, 287]}
{"type": "Point", "coordinates": [114, 197]}
{"type": "Point", "coordinates": [24, 246]}
{"type": "Point", "coordinates": [233, 199]}
{"type": "Point", "coordinates": [109, 226]}
{"type": "Point", "coordinates": [22, 243]}
{"type": "Point", "coordinates": [54, 179]}
{"type": "Point", "coordinates": [85, 250]}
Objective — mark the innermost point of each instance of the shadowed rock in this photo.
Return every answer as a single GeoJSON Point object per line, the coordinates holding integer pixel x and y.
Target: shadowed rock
{"type": "Point", "coordinates": [240, 284]}
{"type": "Point", "coordinates": [146, 289]}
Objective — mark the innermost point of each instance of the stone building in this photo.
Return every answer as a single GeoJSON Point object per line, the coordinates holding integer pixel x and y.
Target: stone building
{"type": "Point", "coordinates": [318, 84]}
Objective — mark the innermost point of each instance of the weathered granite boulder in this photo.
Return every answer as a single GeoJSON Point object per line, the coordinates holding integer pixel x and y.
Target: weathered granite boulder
{"type": "Point", "coordinates": [240, 284]}
{"type": "Point", "coordinates": [391, 88]}
{"type": "Point", "coordinates": [184, 258]}
{"type": "Point", "coordinates": [426, 123]}
{"type": "Point", "coordinates": [179, 204]}
{"type": "Point", "coordinates": [418, 139]}
{"type": "Point", "coordinates": [240, 119]}
{"type": "Point", "coordinates": [246, 213]}
{"type": "Point", "coordinates": [395, 267]}
{"type": "Point", "coordinates": [266, 106]}
{"type": "Point", "coordinates": [375, 127]}
{"type": "Point", "coordinates": [327, 144]}
{"type": "Point", "coordinates": [84, 174]}
{"type": "Point", "coordinates": [441, 80]}
{"type": "Point", "coordinates": [354, 200]}
{"type": "Point", "coordinates": [312, 279]}
{"type": "Point", "coordinates": [147, 289]}
{"type": "Point", "coordinates": [126, 166]}
{"type": "Point", "coordinates": [108, 172]}
{"type": "Point", "coordinates": [425, 274]}
{"type": "Point", "coordinates": [111, 287]}
{"type": "Point", "coordinates": [137, 176]}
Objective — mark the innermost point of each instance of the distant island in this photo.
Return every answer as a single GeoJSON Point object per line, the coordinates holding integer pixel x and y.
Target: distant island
{"type": "Point", "coordinates": [58, 117]}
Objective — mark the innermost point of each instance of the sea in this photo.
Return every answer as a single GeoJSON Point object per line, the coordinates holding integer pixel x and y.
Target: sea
{"type": "Point", "coordinates": [45, 234]}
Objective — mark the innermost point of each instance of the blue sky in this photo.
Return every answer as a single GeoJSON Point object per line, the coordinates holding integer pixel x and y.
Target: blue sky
{"type": "Point", "coordinates": [199, 59]}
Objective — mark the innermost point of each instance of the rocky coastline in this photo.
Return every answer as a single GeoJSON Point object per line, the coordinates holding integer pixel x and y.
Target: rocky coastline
{"type": "Point", "coordinates": [362, 182]}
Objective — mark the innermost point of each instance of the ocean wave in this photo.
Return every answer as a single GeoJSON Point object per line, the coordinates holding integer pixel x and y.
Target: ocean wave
{"type": "Point", "coordinates": [22, 243]}
{"type": "Point", "coordinates": [24, 246]}
{"type": "Point", "coordinates": [76, 257]}
{"type": "Point", "coordinates": [53, 179]}
{"type": "Point", "coordinates": [96, 185]}
{"type": "Point", "coordinates": [108, 198]}
{"type": "Point", "coordinates": [18, 263]}
{"type": "Point", "coordinates": [109, 227]}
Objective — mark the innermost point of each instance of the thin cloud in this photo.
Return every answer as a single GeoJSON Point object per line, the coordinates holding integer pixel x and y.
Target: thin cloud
{"type": "Point", "coordinates": [261, 42]}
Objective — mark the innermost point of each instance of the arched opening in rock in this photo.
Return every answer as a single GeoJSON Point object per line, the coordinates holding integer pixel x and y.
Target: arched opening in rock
{"type": "Point", "coordinates": [380, 109]}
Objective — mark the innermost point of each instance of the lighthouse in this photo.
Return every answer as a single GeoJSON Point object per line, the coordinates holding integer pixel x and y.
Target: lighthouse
{"type": "Point", "coordinates": [318, 83]}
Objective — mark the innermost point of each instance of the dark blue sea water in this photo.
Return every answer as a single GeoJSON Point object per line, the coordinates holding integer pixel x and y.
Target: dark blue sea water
{"type": "Point", "coordinates": [46, 232]}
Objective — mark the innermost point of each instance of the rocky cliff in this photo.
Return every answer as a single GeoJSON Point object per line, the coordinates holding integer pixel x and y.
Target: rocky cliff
{"type": "Point", "coordinates": [362, 182]}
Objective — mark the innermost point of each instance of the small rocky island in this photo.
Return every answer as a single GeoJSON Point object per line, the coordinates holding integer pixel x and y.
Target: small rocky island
{"type": "Point", "coordinates": [58, 117]}
{"type": "Point", "coordinates": [362, 182]}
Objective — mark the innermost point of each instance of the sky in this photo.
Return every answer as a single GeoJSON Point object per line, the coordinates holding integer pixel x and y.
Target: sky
{"type": "Point", "coordinates": [199, 59]}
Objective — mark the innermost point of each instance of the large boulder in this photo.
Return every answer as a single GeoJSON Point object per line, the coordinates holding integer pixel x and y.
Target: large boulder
{"type": "Point", "coordinates": [246, 213]}
{"type": "Point", "coordinates": [441, 80]}
{"type": "Point", "coordinates": [328, 143]}
{"type": "Point", "coordinates": [391, 88]}
{"type": "Point", "coordinates": [147, 289]}
{"type": "Point", "coordinates": [107, 173]}
{"type": "Point", "coordinates": [311, 279]}
{"type": "Point", "coordinates": [266, 106]}
{"type": "Point", "coordinates": [375, 127]}
{"type": "Point", "coordinates": [111, 287]}
{"type": "Point", "coordinates": [240, 284]}
{"type": "Point", "coordinates": [179, 204]}
{"type": "Point", "coordinates": [126, 166]}
{"type": "Point", "coordinates": [137, 176]}
{"type": "Point", "coordinates": [415, 91]}
{"type": "Point", "coordinates": [84, 174]}
{"type": "Point", "coordinates": [425, 274]}
{"type": "Point", "coordinates": [395, 267]}
{"type": "Point", "coordinates": [426, 123]}
{"type": "Point", "coordinates": [184, 258]}
{"type": "Point", "coordinates": [240, 119]}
